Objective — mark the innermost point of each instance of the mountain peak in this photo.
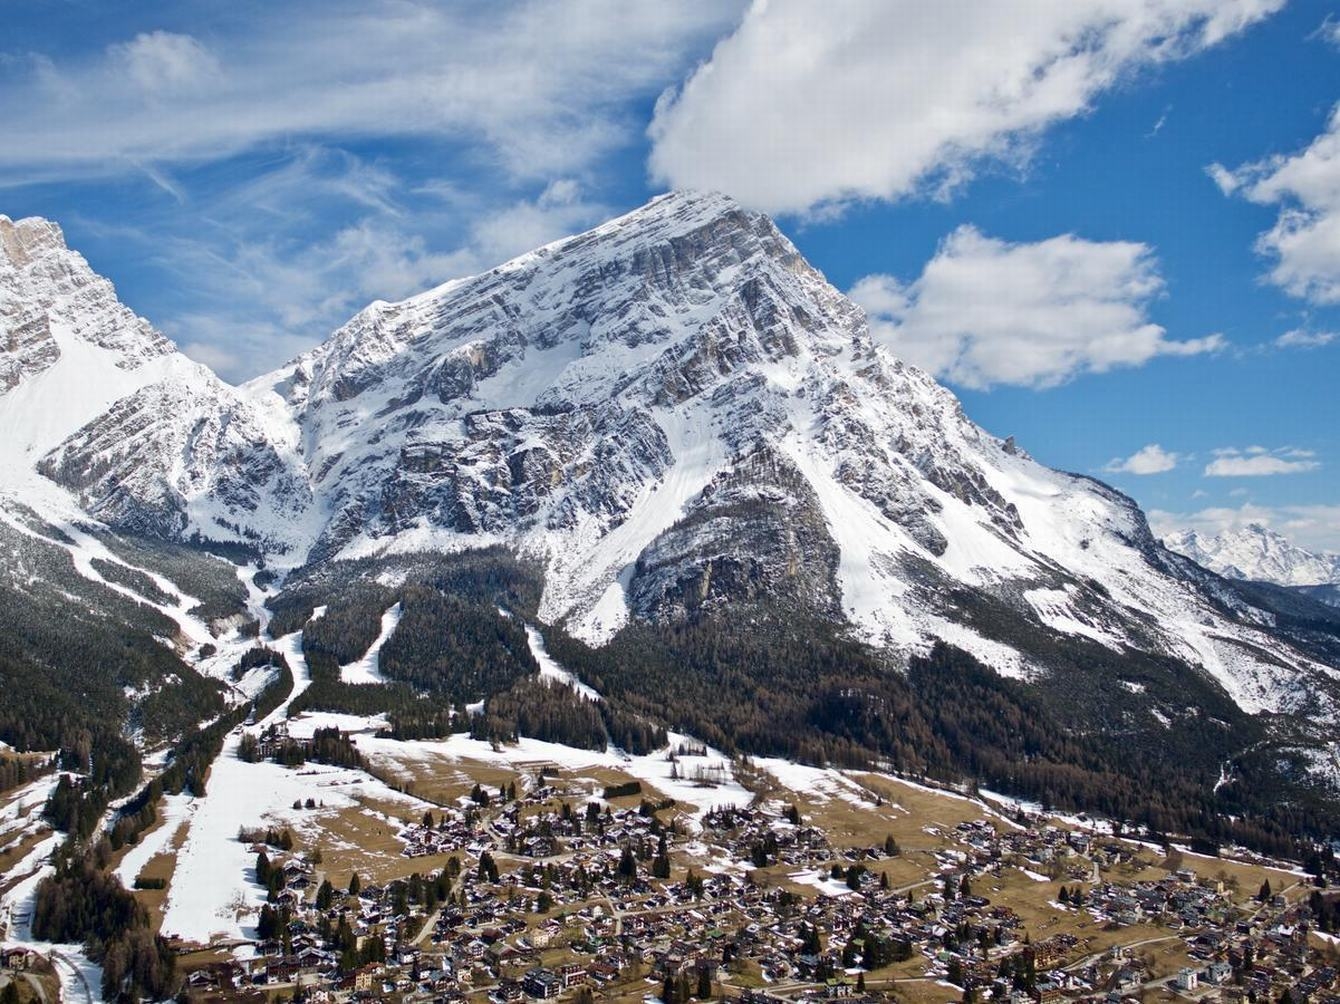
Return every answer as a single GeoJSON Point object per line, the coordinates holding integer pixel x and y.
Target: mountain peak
{"type": "Point", "coordinates": [52, 302]}
{"type": "Point", "coordinates": [22, 240]}
{"type": "Point", "coordinates": [580, 310]}
{"type": "Point", "coordinates": [685, 208]}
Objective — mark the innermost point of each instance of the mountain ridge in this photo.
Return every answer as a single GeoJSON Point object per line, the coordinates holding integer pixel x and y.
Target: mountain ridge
{"type": "Point", "coordinates": [1255, 552]}
{"type": "Point", "coordinates": [574, 401]}
{"type": "Point", "coordinates": [676, 417]}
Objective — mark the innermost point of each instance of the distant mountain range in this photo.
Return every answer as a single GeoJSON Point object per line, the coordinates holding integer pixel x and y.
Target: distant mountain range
{"type": "Point", "coordinates": [1257, 553]}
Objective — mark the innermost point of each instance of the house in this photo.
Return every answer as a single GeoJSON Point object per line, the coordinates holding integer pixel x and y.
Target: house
{"type": "Point", "coordinates": [542, 984]}
{"type": "Point", "coordinates": [572, 974]}
{"type": "Point", "coordinates": [312, 958]}
{"type": "Point", "coordinates": [1187, 979]}
{"type": "Point", "coordinates": [16, 958]}
{"type": "Point", "coordinates": [202, 979]}
{"type": "Point", "coordinates": [1048, 992]}
{"type": "Point", "coordinates": [367, 977]}
{"type": "Point", "coordinates": [543, 937]}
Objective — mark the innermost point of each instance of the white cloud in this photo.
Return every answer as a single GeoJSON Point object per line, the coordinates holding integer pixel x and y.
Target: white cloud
{"type": "Point", "coordinates": [809, 104]}
{"type": "Point", "coordinates": [561, 209]}
{"type": "Point", "coordinates": [540, 87]}
{"type": "Point", "coordinates": [1315, 527]}
{"type": "Point", "coordinates": [985, 311]}
{"type": "Point", "coordinates": [1151, 459]}
{"type": "Point", "coordinates": [1304, 243]}
{"type": "Point", "coordinates": [1300, 339]}
{"type": "Point", "coordinates": [1329, 30]}
{"type": "Point", "coordinates": [162, 63]}
{"type": "Point", "coordinates": [1257, 462]}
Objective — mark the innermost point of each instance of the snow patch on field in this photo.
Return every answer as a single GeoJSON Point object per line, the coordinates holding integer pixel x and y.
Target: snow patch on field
{"type": "Point", "coordinates": [16, 906]}
{"type": "Point", "coordinates": [822, 784]}
{"type": "Point", "coordinates": [23, 802]}
{"type": "Point", "coordinates": [702, 782]}
{"type": "Point", "coordinates": [175, 811]}
{"type": "Point", "coordinates": [826, 885]}
{"type": "Point", "coordinates": [213, 893]}
{"type": "Point", "coordinates": [304, 725]}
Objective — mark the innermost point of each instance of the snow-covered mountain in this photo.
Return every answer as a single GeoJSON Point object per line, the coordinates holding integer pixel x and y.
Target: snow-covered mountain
{"type": "Point", "coordinates": [672, 413]}
{"type": "Point", "coordinates": [70, 349]}
{"type": "Point", "coordinates": [74, 356]}
{"type": "Point", "coordinates": [1257, 553]}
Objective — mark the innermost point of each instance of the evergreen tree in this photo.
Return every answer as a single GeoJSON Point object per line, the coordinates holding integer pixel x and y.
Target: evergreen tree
{"type": "Point", "coordinates": [704, 984]}
{"type": "Point", "coordinates": [627, 864]}
{"type": "Point", "coordinates": [954, 973]}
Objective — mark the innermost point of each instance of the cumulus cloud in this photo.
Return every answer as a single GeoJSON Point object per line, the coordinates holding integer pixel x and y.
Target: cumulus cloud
{"type": "Point", "coordinates": [1304, 243]}
{"type": "Point", "coordinates": [985, 311]}
{"type": "Point", "coordinates": [1316, 527]}
{"type": "Point", "coordinates": [1151, 459]}
{"type": "Point", "coordinates": [1301, 339]}
{"type": "Point", "coordinates": [538, 87]}
{"type": "Point", "coordinates": [1257, 462]}
{"type": "Point", "coordinates": [808, 105]}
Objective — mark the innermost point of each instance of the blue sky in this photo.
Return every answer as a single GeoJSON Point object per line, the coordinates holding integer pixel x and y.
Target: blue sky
{"type": "Point", "coordinates": [1112, 226]}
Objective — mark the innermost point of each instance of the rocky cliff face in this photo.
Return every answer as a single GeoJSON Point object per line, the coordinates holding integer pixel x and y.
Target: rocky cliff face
{"type": "Point", "coordinates": [674, 413]}
{"type": "Point", "coordinates": [45, 286]}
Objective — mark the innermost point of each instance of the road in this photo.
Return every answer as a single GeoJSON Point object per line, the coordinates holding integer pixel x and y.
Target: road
{"type": "Point", "coordinates": [65, 968]}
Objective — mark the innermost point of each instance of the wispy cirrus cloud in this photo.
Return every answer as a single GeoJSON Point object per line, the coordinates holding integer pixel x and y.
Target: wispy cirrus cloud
{"type": "Point", "coordinates": [270, 267]}
{"type": "Point", "coordinates": [1300, 338]}
{"type": "Point", "coordinates": [535, 87]}
{"type": "Point", "coordinates": [305, 159]}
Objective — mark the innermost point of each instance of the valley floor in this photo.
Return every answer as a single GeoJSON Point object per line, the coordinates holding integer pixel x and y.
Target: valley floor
{"type": "Point", "coordinates": [459, 869]}
{"type": "Point", "coordinates": [757, 854]}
